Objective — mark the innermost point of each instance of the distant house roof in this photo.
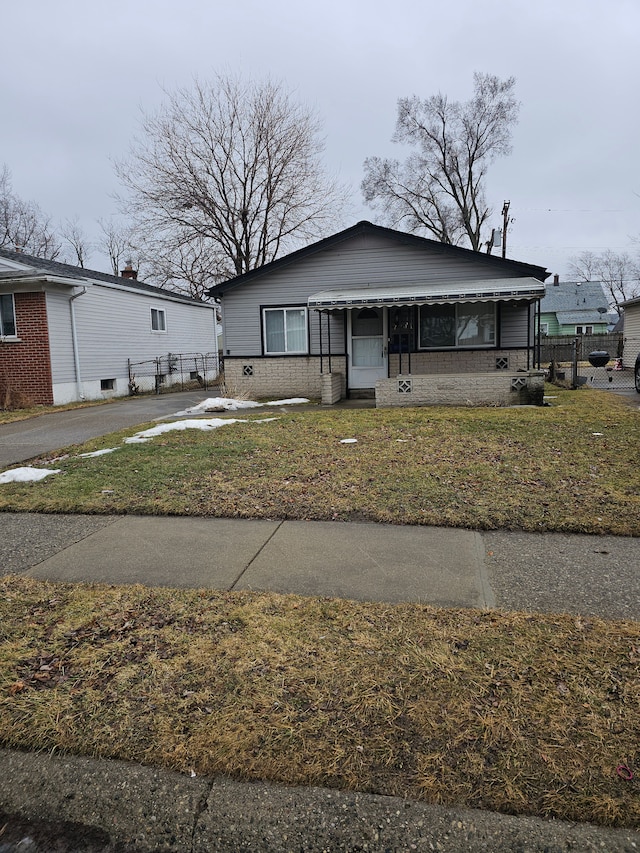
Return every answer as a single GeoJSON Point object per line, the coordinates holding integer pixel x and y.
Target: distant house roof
{"type": "Point", "coordinates": [588, 315]}
{"type": "Point", "coordinates": [21, 267]}
{"type": "Point", "coordinates": [576, 302]}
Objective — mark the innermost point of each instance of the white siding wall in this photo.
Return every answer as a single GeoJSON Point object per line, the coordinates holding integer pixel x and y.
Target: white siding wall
{"type": "Point", "coordinates": [60, 341]}
{"type": "Point", "coordinates": [114, 325]}
{"type": "Point", "coordinates": [363, 260]}
{"type": "Point", "coordinates": [631, 334]}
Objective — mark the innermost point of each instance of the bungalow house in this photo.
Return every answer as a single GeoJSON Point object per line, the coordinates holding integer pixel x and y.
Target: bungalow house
{"type": "Point", "coordinates": [373, 311]}
{"type": "Point", "coordinates": [574, 308]}
{"type": "Point", "coordinates": [67, 333]}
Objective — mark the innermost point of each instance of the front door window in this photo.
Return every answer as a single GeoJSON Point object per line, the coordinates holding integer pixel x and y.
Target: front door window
{"type": "Point", "coordinates": [367, 333]}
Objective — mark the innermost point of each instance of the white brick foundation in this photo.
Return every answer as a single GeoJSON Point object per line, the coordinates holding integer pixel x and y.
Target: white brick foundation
{"type": "Point", "coordinates": [500, 388]}
{"type": "Point", "coordinates": [271, 378]}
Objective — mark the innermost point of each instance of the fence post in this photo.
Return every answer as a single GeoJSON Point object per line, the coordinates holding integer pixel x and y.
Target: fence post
{"type": "Point", "coordinates": [574, 371]}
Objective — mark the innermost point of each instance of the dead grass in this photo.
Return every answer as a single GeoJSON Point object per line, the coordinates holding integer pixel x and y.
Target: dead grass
{"type": "Point", "coordinates": [572, 467]}
{"type": "Point", "coordinates": [506, 711]}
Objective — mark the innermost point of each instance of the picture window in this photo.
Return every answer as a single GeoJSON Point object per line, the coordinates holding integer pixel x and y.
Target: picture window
{"type": "Point", "coordinates": [470, 324]}
{"type": "Point", "coordinates": [285, 330]}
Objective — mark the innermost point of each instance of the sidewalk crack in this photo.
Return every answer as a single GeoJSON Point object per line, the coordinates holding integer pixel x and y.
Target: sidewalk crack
{"type": "Point", "coordinates": [256, 555]}
{"type": "Point", "coordinates": [201, 807]}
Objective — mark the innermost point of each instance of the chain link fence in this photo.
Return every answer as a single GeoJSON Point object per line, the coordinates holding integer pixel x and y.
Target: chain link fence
{"type": "Point", "coordinates": [566, 360]}
{"type": "Point", "coordinates": [175, 371]}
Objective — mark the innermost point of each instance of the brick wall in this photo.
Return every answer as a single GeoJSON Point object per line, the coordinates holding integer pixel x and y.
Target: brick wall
{"type": "Point", "coordinates": [459, 361]}
{"type": "Point", "coordinates": [273, 378]}
{"type": "Point", "coordinates": [25, 364]}
{"type": "Point", "coordinates": [500, 388]}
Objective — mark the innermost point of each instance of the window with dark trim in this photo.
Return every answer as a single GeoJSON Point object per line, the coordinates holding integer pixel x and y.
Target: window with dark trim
{"type": "Point", "coordinates": [469, 324]}
{"type": "Point", "coordinates": [285, 331]}
{"type": "Point", "coordinates": [7, 316]}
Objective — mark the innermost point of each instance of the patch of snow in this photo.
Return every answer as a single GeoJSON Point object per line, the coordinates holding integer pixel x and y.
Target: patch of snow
{"type": "Point", "coordinates": [597, 433]}
{"type": "Point", "coordinates": [348, 441]}
{"type": "Point", "coordinates": [209, 423]}
{"type": "Point", "coordinates": [228, 404]}
{"type": "Point", "coordinates": [293, 401]}
{"type": "Point", "coordinates": [26, 475]}
{"type": "Point", "coordinates": [97, 453]}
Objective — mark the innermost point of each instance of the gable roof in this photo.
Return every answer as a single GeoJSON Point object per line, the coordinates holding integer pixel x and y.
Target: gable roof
{"type": "Point", "coordinates": [21, 267]}
{"type": "Point", "coordinates": [364, 228]}
{"type": "Point", "coordinates": [583, 297]}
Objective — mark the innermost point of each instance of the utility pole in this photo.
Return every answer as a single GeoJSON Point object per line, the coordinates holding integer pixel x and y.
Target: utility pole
{"type": "Point", "coordinates": [505, 223]}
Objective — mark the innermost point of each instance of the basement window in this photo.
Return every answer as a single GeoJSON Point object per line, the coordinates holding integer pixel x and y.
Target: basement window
{"type": "Point", "coordinates": [107, 384]}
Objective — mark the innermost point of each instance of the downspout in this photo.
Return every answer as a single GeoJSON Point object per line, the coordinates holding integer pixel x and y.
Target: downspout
{"type": "Point", "coordinates": [74, 341]}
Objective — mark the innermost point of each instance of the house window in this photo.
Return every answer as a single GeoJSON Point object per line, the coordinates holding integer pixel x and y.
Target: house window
{"type": "Point", "coordinates": [158, 320]}
{"type": "Point", "coordinates": [470, 324]}
{"type": "Point", "coordinates": [285, 330]}
{"type": "Point", "coordinates": [7, 316]}
{"type": "Point", "coordinates": [544, 328]}
{"type": "Point", "coordinates": [584, 330]}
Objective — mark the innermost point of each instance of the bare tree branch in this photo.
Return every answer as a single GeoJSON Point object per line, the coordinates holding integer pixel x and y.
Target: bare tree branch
{"type": "Point", "coordinates": [440, 186]}
{"type": "Point", "coordinates": [23, 226]}
{"type": "Point", "coordinates": [618, 271]}
{"type": "Point", "coordinates": [226, 176]}
{"type": "Point", "coordinates": [73, 233]}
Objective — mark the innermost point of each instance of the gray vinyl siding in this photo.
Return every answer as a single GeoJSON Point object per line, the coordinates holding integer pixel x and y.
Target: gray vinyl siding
{"type": "Point", "coordinates": [114, 325]}
{"type": "Point", "coordinates": [367, 259]}
{"type": "Point", "coordinates": [513, 326]}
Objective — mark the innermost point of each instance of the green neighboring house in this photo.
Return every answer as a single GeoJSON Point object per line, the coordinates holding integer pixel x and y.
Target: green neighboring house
{"type": "Point", "coordinates": [574, 308]}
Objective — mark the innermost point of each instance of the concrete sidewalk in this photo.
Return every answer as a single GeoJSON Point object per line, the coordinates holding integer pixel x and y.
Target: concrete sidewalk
{"type": "Point", "coordinates": [90, 806]}
{"type": "Point", "coordinates": [446, 567]}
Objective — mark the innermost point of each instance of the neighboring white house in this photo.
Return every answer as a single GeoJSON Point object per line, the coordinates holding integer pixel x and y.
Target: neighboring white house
{"type": "Point", "coordinates": [68, 333]}
{"type": "Point", "coordinates": [631, 331]}
{"type": "Point", "coordinates": [372, 311]}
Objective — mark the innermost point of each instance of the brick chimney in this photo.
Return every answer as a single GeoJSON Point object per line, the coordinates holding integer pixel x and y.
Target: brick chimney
{"type": "Point", "coordinates": [556, 279]}
{"type": "Point", "coordinates": [129, 272]}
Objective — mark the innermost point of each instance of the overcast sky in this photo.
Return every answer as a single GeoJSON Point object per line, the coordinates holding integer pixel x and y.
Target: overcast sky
{"type": "Point", "coordinates": [77, 73]}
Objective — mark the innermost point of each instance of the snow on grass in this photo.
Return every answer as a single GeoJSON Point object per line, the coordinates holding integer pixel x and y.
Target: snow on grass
{"type": "Point", "coordinates": [228, 404]}
{"type": "Point", "coordinates": [98, 453]}
{"type": "Point", "coordinates": [209, 423]}
{"type": "Point", "coordinates": [26, 475]}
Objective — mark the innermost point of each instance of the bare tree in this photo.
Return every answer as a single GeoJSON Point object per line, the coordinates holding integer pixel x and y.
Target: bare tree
{"type": "Point", "coordinates": [118, 243]}
{"type": "Point", "coordinates": [73, 234]}
{"type": "Point", "coordinates": [23, 226]}
{"type": "Point", "coordinates": [439, 188]}
{"type": "Point", "coordinates": [229, 173]}
{"type": "Point", "coordinates": [618, 271]}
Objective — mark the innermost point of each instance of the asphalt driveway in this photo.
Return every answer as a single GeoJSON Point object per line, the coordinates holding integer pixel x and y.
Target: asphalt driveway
{"type": "Point", "coordinates": [47, 433]}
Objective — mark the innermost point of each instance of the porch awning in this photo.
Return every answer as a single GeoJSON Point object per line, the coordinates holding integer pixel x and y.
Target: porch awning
{"type": "Point", "coordinates": [428, 293]}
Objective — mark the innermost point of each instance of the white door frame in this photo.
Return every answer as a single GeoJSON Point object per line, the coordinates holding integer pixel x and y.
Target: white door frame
{"type": "Point", "coordinates": [366, 377]}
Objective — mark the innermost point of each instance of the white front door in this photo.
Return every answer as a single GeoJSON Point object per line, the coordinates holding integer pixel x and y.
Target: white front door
{"type": "Point", "coordinates": [367, 346]}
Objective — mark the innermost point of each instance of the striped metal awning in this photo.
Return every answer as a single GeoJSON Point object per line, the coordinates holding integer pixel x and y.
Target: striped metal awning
{"type": "Point", "coordinates": [428, 293]}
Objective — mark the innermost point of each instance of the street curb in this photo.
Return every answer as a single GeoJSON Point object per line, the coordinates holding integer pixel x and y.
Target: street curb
{"type": "Point", "coordinates": [121, 806]}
